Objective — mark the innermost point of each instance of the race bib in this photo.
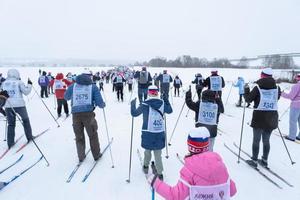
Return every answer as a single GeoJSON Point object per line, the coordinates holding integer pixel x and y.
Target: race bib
{"type": "Point", "coordinates": [166, 78]}
{"type": "Point", "coordinates": [58, 84]}
{"type": "Point", "coordinates": [42, 79]}
{"type": "Point", "coordinates": [119, 79]}
{"type": "Point", "coordinates": [177, 81]}
{"type": "Point", "coordinates": [12, 88]}
{"type": "Point", "coordinates": [215, 83]}
{"type": "Point", "coordinates": [82, 95]}
{"type": "Point", "coordinates": [208, 113]}
{"type": "Point", "coordinates": [268, 99]}
{"type": "Point", "coordinates": [156, 122]}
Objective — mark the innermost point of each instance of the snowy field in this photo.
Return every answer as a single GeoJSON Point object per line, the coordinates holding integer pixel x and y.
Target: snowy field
{"type": "Point", "coordinates": [49, 183]}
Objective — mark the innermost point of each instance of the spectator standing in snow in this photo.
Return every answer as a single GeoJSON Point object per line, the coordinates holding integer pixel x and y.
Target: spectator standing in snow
{"type": "Point", "coordinates": [44, 82]}
{"type": "Point", "coordinates": [153, 130]}
{"type": "Point", "coordinates": [265, 116]}
{"type": "Point", "coordinates": [15, 104]}
{"type": "Point", "coordinates": [294, 96]}
{"type": "Point", "coordinates": [84, 96]}
{"type": "Point", "coordinates": [207, 112]}
{"type": "Point", "coordinates": [204, 173]}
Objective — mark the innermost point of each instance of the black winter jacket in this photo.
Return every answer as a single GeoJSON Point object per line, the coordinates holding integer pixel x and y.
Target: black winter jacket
{"type": "Point", "coordinates": [267, 120]}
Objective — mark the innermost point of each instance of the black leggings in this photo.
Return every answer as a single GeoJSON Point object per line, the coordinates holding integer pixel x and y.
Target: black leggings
{"type": "Point", "coordinates": [257, 135]}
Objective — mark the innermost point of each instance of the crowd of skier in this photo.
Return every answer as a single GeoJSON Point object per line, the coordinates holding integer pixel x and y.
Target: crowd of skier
{"type": "Point", "coordinates": [202, 166]}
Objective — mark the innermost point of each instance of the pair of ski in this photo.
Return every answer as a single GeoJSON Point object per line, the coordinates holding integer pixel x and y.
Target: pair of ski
{"type": "Point", "coordinates": [258, 170]}
{"type": "Point", "coordinates": [88, 173]}
{"type": "Point", "coordinates": [154, 171]}
{"type": "Point", "coordinates": [4, 184]}
{"type": "Point", "coordinates": [23, 145]}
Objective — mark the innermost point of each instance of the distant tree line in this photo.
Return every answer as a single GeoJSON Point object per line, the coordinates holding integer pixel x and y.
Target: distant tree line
{"type": "Point", "coordinates": [187, 61]}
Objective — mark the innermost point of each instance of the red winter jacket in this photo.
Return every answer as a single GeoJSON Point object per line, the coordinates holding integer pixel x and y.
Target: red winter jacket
{"type": "Point", "coordinates": [60, 85]}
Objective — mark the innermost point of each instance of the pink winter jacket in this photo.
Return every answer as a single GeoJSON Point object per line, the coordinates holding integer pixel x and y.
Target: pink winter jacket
{"type": "Point", "coordinates": [201, 169]}
{"type": "Point", "coordinates": [294, 95]}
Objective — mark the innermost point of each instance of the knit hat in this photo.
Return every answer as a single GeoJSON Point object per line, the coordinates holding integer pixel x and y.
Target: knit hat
{"type": "Point", "coordinates": [208, 95]}
{"type": "Point", "coordinates": [198, 140]}
{"type": "Point", "coordinates": [297, 77]}
{"type": "Point", "coordinates": [267, 71]}
{"type": "Point", "coordinates": [152, 90]}
{"type": "Point", "coordinates": [214, 71]}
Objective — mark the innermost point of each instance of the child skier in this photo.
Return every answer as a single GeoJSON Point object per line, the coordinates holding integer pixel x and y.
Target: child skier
{"type": "Point", "coordinates": [153, 130]}
{"type": "Point", "coordinates": [203, 173]}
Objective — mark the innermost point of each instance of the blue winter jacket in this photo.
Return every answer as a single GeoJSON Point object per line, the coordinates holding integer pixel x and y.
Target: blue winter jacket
{"type": "Point", "coordinates": [96, 96]}
{"type": "Point", "coordinates": [240, 84]}
{"type": "Point", "coordinates": [151, 141]}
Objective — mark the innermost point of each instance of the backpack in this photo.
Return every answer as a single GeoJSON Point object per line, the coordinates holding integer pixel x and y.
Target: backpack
{"type": "Point", "coordinates": [143, 77]}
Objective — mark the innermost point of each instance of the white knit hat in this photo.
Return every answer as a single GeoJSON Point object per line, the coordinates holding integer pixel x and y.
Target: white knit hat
{"type": "Point", "coordinates": [267, 71]}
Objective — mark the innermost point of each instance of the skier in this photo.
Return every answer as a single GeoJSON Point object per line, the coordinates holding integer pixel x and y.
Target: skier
{"type": "Point", "coordinates": [44, 82]}
{"type": "Point", "coordinates": [50, 88]}
{"type": "Point", "coordinates": [207, 112]}
{"type": "Point", "coordinates": [144, 80]}
{"type": "Point", "coordinates": [101, 84]}
{"type": "Point", "coordinates": [203, 174]}
{"type": "Point", "coordinates": [240, 84]}
{"type": "Point", "coordinates": [165, 79]}
{"type": "Point", "coordinates": [265, 116]}
{"type": "Point", "coordinates": [156, 81]}
{"type": "Point", "coordinates": [215, 82]}
{"type": "Point", "coordinates": [177, 83]}
{"type": "Point", "coordinates": [3, 97]}
{"type": "Point", "coordinates": [118, 81]}
{"type": "Point", "coordinates": [84, 96]}
{"type": "Point", "coordinates": [40, 71]}
{"type": "Point", "coordinates": [60, 86]}
{"type": "Point", "coordinates": [130, 83]}
{"type": "Point", "coordinates": [15, 104]}
{"type": "Point", "coordinates": [294, 96]}
{"type": "Point", "coordinates": [153, 130]}
{"type": "Point", "coordinates": [2, 79]}
{"type": "Point", "coordinates": [199, 84]}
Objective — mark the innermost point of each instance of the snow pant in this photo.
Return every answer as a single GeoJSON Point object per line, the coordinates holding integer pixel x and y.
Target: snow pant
{"type": "Point", "coordinates": [44, 91]}
{"type": "Point", "coordinates": [142, 94]}
{"type": "Point", "coordinates": [11, 120]}
{"type": "Point", "coordinates": [60, 103]}
{"type": "Point", "coordinates": [211, 144]}
{"type": "Point", "coordinates": [86, 120]}
{"type": "Point", "coordinates": [199, 90]}
{"type": "Point", "coordinates": [164, 92]}
{"type": "Point", "coordinates": [50, 89]}
{"type": "Point", "coordinates": [157, 158]}
{"type": "Point", "coordinates": [129, 87]}
{"type": "Point", "coordinates": [114, 87]}
{"type": "Point", "coordinates": [101, 87]}
{"type": "Point", "coordinates": [119, 89]}
{"type": "Point", "coordinates": [257, 135]}
{"type": "Point", "coordinates": [294, 120]}
{"type": "Point", "coordinates": [176, 90]}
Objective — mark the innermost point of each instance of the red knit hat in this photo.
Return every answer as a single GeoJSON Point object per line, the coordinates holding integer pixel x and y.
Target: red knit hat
{"type": "Point", "coordinates": [198, 140]}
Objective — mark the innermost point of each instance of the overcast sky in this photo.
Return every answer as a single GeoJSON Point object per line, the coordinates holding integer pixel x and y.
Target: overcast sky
{"type": "Point", "coordinates": [142, 29]}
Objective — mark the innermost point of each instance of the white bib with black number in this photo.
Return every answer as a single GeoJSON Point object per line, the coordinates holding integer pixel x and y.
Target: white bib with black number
{"type": "Point", "coordinates": [211, 192]}
{"type": "Point", "coordinates": [119, 79]}
{"type": "Point", "coordinates": [156, 122]}
{"type": "Point", "coordinates": [208, 113]}
{"type": "Point", "coordinates": [42, 79]}
{"type": "Point", "coordinates": [166, 78]}
{"type": "Point", "coordinates": [268, 99]}
{"type": "Point", "coordinates": [12, 88]}
{"type": "Point", "coordinates": [82, 95]}
{"type": "Point", "coordinates": [58, 84]}
{"type": "Point", "coordinates": [215, 83]}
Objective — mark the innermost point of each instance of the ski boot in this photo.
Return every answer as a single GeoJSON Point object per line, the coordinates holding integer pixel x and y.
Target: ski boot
{"type": "Point", "coordinates": [252, 163]}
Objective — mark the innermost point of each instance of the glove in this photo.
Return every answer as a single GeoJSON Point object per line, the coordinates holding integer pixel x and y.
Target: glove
{"type": "Point", "coordinates": [151, 179]}
{"type": "Point", "coordinates": [133, 101]}
{"type": "Point", "coordinates": [29, 82]}
{"type": "Point", "coordinates": [188, 94]}
{"type": "Point", "coordinates": [4, 93]}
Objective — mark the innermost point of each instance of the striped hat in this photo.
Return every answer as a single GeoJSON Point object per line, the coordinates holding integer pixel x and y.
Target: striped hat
{"type": "Point", "coordinates": [198, 140]}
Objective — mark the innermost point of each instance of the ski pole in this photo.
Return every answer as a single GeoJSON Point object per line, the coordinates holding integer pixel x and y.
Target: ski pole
{"type": "Point", "coordinates": [171, 97]}
{"type": "Point", "coordinates": [48, 164]}
{"type": "Point", "coordinates": [45, 106]}
{"type": "Point", "coordinates": [6, 127]}
{"type": "Point", "coordinates": [130, 152]}
{"type": "Point", "coordinates": [176, 124]}
{"type": "Point", "coordinates": [242, 128]}
{"type": "Point", "coordinates": [166, 132]}
{"type": "Point", "coordinates": [112, 161]}
{"type": "Point", "coordinates": [54, 102]}
{"type": "Point", "coordinates": [189, 109]}
{"type": "Point", "coordinates": [228, 94]}
{"type": "Point", "coordinates": [292, 162]}
{"type": "Point", "coordinates": [286, 110]}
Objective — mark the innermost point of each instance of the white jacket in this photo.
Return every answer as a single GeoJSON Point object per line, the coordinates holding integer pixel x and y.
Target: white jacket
{"type": "Point", "coordinates": [15, 88]}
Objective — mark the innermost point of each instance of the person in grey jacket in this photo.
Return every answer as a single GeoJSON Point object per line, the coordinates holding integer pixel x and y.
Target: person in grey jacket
{"type": "Point", "coordinates": [15, 104]}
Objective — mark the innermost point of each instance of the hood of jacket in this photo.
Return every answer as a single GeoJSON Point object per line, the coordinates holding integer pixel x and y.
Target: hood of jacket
{"type": "Point", "coordinates": [59, 76]}
{"type": "Point", "coordinates": [207, 167]}
{"type": "Point", "coordinates": [84, 79]}
{"type": "Point", "coordinates": [154, 102]}
{"type": "Point", "coordinates": [13, 73]}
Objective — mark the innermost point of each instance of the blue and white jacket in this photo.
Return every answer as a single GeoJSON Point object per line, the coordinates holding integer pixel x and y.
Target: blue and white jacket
{"type": "Point", "coordinates": [151, 139]}
{"type": "Point", "coordinates": [96, 98]}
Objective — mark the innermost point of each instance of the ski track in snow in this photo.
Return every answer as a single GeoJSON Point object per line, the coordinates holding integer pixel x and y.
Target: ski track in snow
{"type": "Point", "coordinates": [58, 145]}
